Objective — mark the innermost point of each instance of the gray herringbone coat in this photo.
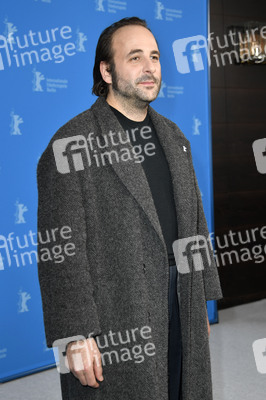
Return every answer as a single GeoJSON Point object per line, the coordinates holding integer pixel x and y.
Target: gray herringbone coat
{"type": "Point", "coordinates": [118, 278]}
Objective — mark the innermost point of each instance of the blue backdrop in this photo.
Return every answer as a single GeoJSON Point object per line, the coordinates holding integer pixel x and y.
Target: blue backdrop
{"type": "Point", "coordinates": [47, 52]}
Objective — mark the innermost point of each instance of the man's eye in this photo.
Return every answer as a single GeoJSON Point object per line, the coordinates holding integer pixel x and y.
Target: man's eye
{"type": "Point", "coordinates": [135, 58]}
{"type": "Point", "coordinates": [156, 58]}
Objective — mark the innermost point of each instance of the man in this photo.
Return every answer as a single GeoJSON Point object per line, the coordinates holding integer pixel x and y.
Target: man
{"type": "Point", "coordinates": [118, 181]}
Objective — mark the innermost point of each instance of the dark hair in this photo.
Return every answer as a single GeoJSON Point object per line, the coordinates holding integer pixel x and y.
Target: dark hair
{"type": "Point", "coordinates": [104, 52]}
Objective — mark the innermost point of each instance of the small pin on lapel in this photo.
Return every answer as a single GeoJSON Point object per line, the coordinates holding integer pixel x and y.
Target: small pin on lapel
{"type": "Point", "coordinates": [184, 148]}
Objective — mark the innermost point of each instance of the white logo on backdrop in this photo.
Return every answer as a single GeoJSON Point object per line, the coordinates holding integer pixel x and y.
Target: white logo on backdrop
{"type": "Point", "coordinates": [158, 10]}
{"type": "Point", "coordinates": [161, 93]}
{"type": "Point", "coordinates": [38, 77]}
{"type": "Point", "coordinates": [51, 84]}
{"type": "Point", "coordinates": [196, 124]}
{"type": "Point", "coordinates": [3, 353]}
{"type": "Point", "coordinates": [81, 38]}
{"type": "Point", "coordinates": [16, 120]}
{"type": "Point", "coordinates": [171, 91]}
{"type": "Point", "coordinates": [20, 210]}
{"type": "Point", "coordinates": [164, 13]}
{"type": "Point", "coordinates": [10, 29]}
{"type": "Point", "coordinates": [24, 297]}
{"type": "Point", "coordinates": [45, 1]}
{"type": "Point", "coordinates": [99, 5]}
{"type": "Point", "coordinates": [111, 6]}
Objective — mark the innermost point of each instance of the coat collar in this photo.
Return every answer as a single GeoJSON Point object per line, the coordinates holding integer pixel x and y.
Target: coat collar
{"type": "Point", "coordinates": [177, 151]}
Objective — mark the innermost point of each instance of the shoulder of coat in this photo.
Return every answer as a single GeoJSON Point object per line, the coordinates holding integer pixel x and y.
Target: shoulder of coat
{"type": "Point", "coordinates": [172, 125]}
{"type": "Point", "coordinates": [75, 126]}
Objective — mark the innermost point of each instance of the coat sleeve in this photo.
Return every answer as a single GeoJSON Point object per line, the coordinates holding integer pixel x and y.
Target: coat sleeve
{"type": "Point", "coordinates": [212, 285]}
{"type": "Point", "coordinates": [64, 275]}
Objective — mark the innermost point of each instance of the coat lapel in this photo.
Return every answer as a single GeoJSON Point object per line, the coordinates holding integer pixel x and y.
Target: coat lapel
{"type": "Point", "coordinates": [132, 174]}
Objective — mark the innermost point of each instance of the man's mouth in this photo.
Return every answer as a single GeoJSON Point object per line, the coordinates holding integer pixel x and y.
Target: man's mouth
{"type": "Point", "coordinates": [147, 83]}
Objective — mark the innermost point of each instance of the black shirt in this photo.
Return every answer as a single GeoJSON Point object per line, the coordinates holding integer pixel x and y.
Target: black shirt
{"type": "Point", "coordinates": [158, 176]}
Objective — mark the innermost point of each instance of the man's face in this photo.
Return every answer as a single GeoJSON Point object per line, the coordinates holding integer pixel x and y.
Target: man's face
{"type": "Point", "coordinates": [136, 74]}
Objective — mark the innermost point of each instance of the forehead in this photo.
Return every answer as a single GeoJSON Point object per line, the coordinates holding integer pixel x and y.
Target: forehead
{"type": "Point", "coordinates": [132, 37]}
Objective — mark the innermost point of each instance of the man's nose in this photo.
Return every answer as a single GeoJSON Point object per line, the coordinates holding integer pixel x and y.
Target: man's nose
{"type": "Point", "coordinates": [149, 65]}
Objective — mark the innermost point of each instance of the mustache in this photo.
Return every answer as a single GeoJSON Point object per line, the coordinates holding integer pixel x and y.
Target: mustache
{"type": "Point", "coordinates": [147, 78]}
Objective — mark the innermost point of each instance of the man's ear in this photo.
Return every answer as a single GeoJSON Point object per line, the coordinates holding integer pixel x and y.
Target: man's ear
{"type": "Point", "coordinates": [104, 69]}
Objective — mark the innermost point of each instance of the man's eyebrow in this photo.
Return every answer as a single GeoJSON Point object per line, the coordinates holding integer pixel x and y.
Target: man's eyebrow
{"type": "Point", "coordinates": [141, 51]}
{"type": "Point", "coordinates": [156, 52]}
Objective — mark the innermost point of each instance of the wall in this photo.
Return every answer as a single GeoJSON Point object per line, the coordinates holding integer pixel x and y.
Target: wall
{"type": "Point", "coordinates": [238, 100]}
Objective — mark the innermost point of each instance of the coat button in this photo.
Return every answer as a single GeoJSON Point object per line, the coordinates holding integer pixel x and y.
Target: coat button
{"type": "Point", "coordinates": [149, 316]}
{"type": "Point", "coordinates": [144, 268]}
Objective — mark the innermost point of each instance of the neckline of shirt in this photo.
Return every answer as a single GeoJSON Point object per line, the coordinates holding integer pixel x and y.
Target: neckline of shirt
{"type": "Point", "coordinates": [129, 121]}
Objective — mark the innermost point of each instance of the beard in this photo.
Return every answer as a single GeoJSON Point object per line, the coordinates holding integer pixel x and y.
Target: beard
{"type": "Point", "coordinates": [137, 96]}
